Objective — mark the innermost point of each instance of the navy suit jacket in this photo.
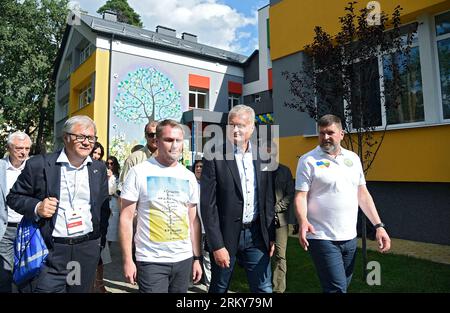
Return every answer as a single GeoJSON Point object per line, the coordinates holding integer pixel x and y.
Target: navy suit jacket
{"type": "Point", "coordinates": [222, 201]}
{"type": "Point", "coordinates": [41, 178]}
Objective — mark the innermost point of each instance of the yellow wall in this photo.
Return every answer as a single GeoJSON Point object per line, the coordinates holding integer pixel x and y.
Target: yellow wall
{"type": "Point", "coordinates": [78, 79]}
{"type": "Point", "coordinates": [292, 22]}
{"type": "Point", "coordinates": [408, 155]}
{"type": "Point", "coordinates": [97, 63]}
{"type": "Point", "coordinates": [101, 96]}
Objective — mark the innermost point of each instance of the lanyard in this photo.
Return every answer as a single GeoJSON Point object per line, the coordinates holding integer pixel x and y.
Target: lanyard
{"type": "Point", "coordinates": [75, 191]}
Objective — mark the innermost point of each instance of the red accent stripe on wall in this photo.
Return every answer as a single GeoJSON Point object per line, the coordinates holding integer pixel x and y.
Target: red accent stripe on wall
{"type": "Point", "coordinates": [198, 81]}
{"type": "Point", "coordinates": [234, 87]}
{"type": "Point", "coordinates": [270, 78]}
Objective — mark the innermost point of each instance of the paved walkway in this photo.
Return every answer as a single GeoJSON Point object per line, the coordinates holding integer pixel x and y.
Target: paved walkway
{"type": "Point", "coordinates": [427, 251]}
{"type": "Point", "coordinates": [115, 282]}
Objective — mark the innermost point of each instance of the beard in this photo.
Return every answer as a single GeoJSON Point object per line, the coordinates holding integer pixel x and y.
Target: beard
{"type": "Point", "coordinates": [329, 147]}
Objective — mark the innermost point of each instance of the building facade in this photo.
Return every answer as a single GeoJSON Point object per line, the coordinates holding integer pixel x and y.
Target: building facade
{"type": "Point", "coordinates": [410, 178]}
{"type": "Point", "coordinates": [124, 76]}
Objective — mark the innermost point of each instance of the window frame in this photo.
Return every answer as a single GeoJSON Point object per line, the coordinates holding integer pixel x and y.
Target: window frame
{"type": "Point", "coordinates": [199, 91]}
{"type": "Point", "coordinates": [232, 97]}
{"type": "Point", "coordinates": [84, 95]}
{"type": "Point", "coordinates": [435, 38]}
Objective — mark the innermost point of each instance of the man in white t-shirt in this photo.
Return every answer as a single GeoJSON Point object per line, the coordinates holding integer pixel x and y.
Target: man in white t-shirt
{"type": "Point", "coordinates": [167, 239]}
{"type": "Point", "coordinates": [330, 185]}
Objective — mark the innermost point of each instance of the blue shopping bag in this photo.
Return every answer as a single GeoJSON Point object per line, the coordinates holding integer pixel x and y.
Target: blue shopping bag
{"type": "Point", "coordinates": [30, 251]}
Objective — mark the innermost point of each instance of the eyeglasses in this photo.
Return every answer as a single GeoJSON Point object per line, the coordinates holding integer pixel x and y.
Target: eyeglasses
{"type": "Point", "coordinates": [109, 163]}
{"type": "Point", "coordinates": [82, 138]}
{"type": "Point", "coordinates": [150, 135]}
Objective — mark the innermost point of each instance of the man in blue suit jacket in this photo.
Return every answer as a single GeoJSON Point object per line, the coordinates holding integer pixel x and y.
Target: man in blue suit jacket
{"type": "Point", "coordinates": [237, 206]}
{"type": "Point", "coordinates": [67, 192]}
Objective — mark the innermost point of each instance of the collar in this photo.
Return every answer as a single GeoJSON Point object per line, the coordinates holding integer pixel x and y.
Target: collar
{"type": "Point", "coordinates": [238, 149]}
{"type": "Point", "coordinates": [9, 165]}
{"type": "Point", "coordinates": [62, 158]}
{"type": "Point", "coordinates": [323, 153]}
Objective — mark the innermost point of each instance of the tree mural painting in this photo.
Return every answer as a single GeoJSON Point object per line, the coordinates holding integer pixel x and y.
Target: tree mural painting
{"type": "Point", "coordinates": [146, 95]}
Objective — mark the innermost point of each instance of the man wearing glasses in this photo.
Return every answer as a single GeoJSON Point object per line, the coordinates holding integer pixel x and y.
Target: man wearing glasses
{"type": "Point", "coordinates": [11, 166]}
{"type": "Point", "coordinates": [67, 193]}
{"type": "Point", "coordinates": [143, 154]}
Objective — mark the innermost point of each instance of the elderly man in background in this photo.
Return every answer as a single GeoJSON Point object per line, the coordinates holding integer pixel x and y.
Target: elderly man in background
{"type": "Point", "coordinates": [11, 166]}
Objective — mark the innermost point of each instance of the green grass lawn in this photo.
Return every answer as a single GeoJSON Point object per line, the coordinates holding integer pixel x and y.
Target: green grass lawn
{"type": "Point", "coordinates": [398, 274]}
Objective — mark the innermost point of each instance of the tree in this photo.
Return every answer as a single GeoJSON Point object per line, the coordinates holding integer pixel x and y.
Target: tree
{"type": "Point", "coordinates": [147, 95]}
{"type": "Point", "coordinates": [125, 13]}
{"type": "Point", "coordinates": [31, 32]}
{"type": "Point", "coordinates": [340, 75]}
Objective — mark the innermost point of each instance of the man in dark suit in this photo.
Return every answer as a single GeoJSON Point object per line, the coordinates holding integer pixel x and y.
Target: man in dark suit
{"type": "Point", "coordinates": [67, 193]}
{"type": "Point", "coordinates": [237, 206]}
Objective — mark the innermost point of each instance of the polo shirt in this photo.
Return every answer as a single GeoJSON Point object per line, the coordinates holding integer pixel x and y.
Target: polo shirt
{"type": "Point", "coordinates": [332, 185]}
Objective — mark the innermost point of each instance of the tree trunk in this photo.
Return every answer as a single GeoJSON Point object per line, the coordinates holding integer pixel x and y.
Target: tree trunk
{"type": "Point", "coordinates": [40, 144]}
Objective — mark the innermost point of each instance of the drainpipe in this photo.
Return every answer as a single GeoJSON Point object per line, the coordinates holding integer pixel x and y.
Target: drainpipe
{"type": "Point", "coordinates": [109, 96]}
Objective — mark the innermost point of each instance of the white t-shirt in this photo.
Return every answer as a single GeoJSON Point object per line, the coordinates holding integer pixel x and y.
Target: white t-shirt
{"type": "Point", "coordinates": [332, 185]}
{"type": "Point", "coordinates": [162, 195]}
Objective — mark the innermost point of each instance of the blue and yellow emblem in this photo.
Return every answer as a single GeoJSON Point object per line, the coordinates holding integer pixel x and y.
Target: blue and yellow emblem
{"type": "Point", "coordinates": [323, 164]}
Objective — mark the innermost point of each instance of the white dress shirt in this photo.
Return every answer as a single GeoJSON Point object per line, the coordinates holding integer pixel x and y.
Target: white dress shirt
{"type": "Point", "coordinates": [247, 175]}
{"type": "Point", "coordinates": [74, 193]}
{"type": "Point", "coordinates": [12, 174]}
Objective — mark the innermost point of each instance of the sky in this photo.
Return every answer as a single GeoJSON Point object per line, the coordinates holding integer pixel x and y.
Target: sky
{"type": "Point", "coordinates": [226, 24]}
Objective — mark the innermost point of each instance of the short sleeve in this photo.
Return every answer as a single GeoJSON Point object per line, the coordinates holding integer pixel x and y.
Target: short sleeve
{"type": "Point", "coordinates": [303, 175]}
{"type": "Point", "coordinates": [130, 188]}
{"type": "Point", "coordinates": [193, 191]}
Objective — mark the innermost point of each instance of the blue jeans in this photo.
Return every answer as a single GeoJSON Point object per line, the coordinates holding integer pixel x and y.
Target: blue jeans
{"type": "Point", "coordinates": [253, 256]}
{"type": "Point", "coordinates": [334, 261]}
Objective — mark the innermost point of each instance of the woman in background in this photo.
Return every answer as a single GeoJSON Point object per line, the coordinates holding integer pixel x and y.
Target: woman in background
{"type": "Point", "coordinates": [112, 164]}
{"type": "Point", "coordinates": [99, 285]}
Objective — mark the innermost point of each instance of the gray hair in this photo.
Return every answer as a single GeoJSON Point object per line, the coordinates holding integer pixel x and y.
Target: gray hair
{"type": "Point", "coordinates": [242, 108]}
{"type": "Point", "coordinates": [79, 119]}
{"type": "Point", "coordinates": [18, 135]}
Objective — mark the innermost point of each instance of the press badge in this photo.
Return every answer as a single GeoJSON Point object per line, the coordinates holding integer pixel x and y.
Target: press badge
{"type": "Point", "coordinates": [74, 221]}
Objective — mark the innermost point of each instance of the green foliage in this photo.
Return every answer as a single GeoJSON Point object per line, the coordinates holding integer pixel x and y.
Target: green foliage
{"type": "Point", "coordinates": [31, 32]}
{"type": "Point", "coordinates": [119, 147]}
{"type": "Point", "coordinates": [125, 13]}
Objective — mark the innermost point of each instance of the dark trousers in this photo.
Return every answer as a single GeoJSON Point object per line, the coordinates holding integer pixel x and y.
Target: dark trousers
{"type": "Point", "coordinates": [334, 262]}
{"type": "Point", "coordinates": [68, 268]}
{"type": "Point", "coordinates": [164, 277]}
{"type": "Point", "coordinates": [7, 259]}
{"type": "Point", "coordinates": [253, 256]}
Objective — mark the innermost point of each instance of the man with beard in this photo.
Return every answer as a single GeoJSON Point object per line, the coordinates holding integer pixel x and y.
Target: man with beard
{"type": "Point", "coordinates": [165, 194]}
{"type": "Point", "coordinates": [330, 185]}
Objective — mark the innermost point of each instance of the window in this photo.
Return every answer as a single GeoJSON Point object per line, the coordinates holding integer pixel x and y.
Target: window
{"type": "Point", "coordinates": [198, 98]}
{"type": "Point", "coordinates": [85, 53]}
{"type": "Point", "coordinates": [411, 107]}
{"type": "Point", "coordinates": [233, 100]}
{"type": "Point", "coordinates": [85, 96]}
{"type": "Point", "coordinates": [442, 24]}
{"type": "Point", "coordinates": [371, 78]}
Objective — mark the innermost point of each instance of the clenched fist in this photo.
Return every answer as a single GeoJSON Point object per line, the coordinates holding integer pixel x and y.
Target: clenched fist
{"type": "Point", "coordinates": [47, 207]}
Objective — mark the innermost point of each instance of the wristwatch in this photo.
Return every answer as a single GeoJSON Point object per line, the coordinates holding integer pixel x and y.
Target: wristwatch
{"type": "Point", "coordinates": [379, 225]}
{"type": "Point", "coordinates": [198, 258]}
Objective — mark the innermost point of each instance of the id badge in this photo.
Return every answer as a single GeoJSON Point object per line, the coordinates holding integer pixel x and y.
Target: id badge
{"type": "Point", "coordinates": [74, 221]}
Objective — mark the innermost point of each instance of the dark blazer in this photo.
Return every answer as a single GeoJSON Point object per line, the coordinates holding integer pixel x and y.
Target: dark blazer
{"type": "Point", "coordinates": [41, 178]}
{"type": "Point", "coordinates": [222, 201]}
